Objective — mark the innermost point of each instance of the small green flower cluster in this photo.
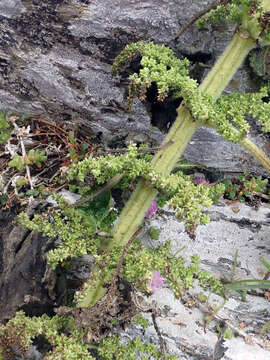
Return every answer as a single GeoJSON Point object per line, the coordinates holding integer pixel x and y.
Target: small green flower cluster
{"type": "Point", "coordinates": [138, 269]}
{"type": "Point", "coordinates": [74, 230]}
{"type": "Point", "coordinates": [20, 331]}
{"type": "Point", "coordinates": [239, 12]}
{"type": "Point", "coordinates": [140, 320]}
{"type": "Point", "coordinates": [77, 228]}
{"type": "Point", "coordinates": [103, 168]}
{"type": "Point", "coordinates": [112, 349]}
{"type": "Point", "coordinates": [159, 65]}
{"type": "Point", "coordinates": [181, 192]}
{"type": "Point", "coordinates": [230, 111]}
{"type": "Point", "coordinates": [230, 13]}
{"type": "Point", "coordinates": [226, 115]}
{"type": "Point", "coordinates": [67, 342]}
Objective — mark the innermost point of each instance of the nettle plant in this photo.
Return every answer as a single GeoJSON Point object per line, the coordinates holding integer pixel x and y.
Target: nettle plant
{"type": "Point", "coordinates": [116, 251]}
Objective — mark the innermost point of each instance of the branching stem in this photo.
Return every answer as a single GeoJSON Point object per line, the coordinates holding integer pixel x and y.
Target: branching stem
{"type": "Point", "coordinates": [179, 136]}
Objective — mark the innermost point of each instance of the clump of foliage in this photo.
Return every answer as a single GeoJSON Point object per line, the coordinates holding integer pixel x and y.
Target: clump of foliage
{"type": "Point", "coordinates": [242, 12]}
{"type": "Point", "coordinates": [159, 66]}
{"type": "Point", "coordinates": [112, 349]}
{"type": "Point", "coordinates": [33, 157]}
{"type": "Point", "coordinates": [154, 232]}
{"type": "Point", "coordinates": [66, 341]}
{"type": "Point", "coordinates": [226, 12]}
{"type": "Point", "coordinates": [75, 228]}
{"type": "Point", "coordinates": [138, 270]}
{"type": "Point", "coordinates": [17, 336]}
{"type": "Point", "coordinates": [79, 234]}
{"type": "Point", "coordinates": [182, 195]}
{"type": "Point", "coordinates": [226, 115]}
{"type": "Point", "coordinates": [244, 187]}
{"type": "Point", "coordinates": [140, 320]}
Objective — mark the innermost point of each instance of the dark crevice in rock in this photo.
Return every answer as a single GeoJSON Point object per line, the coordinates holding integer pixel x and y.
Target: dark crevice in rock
{"type": "Point", "coordinates": [20, 244]}
{"type": "Point", "coordinates": [42, 344]}
{"type": "Point", "coordinates": [163, 114]}
{"type": "Point", "coordinates": [199, 56]}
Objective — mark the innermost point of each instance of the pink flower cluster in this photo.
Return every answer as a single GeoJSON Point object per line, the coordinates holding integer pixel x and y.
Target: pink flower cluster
{"type": "Point", "coordinates": [199, 180]}
{"type": "Point", "coordinates": [152, 209]}
{"type": "Point", "coordinates": [157, 281]}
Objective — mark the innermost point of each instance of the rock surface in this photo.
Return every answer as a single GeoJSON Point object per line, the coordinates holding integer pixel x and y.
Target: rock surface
{"type": "Point", "coordinates": [55, 62]}
{"type": "Point", "coordinates": [26, 282]}
{"type": "Point", "coordinates": [233, 226]}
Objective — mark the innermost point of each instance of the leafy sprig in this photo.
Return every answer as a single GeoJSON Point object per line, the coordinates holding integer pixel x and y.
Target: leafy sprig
{"type": "Point", "coordinates": [33, 157]}
{"type": "Point", "coordinates": [226, 115]}
{"type": "Point", "coordinates": [182, 195]}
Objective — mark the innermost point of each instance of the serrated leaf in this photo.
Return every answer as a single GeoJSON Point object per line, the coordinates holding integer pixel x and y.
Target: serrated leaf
{"type": "Point", "coordinates": [35, 157]}
{"type": "Point", "coordinates": [99, 208]}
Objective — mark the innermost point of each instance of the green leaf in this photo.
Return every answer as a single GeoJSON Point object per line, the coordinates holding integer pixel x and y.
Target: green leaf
{"type": "Point", "coordinates": [71, 137]}
{"type": "Point", "coordinates": [4, 127]}
{"type": "Point", "coordinates": [4, 136]}
{"type": "Point", "coordinates": [17, 162]}
{"type": "Point", "coordinates": [228, 333]}
{"type": "Point", "coordinates": [232, 194]}
{"type": "Point", "coordinates": [99, 208]}
{"type": "Point", "coordinates": [21, 181]}
{"type": "Point", "coordinates": [248, 284]}
{"type": "Point", "coordinates": [32, 192]}
{"type": "Point", "coordinates": [36, 157]}
{"type": "Point", "coordinates": [3, 198]}
{"type": "Point", "coordinates": [154, 232]}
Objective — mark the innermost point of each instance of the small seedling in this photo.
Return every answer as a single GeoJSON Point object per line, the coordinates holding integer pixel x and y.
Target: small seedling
{"type": "Point", "coordinates": [154, 232]}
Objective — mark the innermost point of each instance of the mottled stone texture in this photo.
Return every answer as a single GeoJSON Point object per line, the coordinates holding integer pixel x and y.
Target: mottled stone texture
{"type": "Point", "coordinates": [26, 281]}
{"type": "Point", "coordinates": [56, 56]}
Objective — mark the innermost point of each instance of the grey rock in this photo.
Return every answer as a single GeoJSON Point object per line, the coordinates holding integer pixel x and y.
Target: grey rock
{"type": "Point", "coordinates": [182, 327]}
{"type": "Point", "coordinates": [33, 354]}
{"type": "Point", "coordinates": [67, 195]}
{"type": "Point", "coordinates": [55, 62]}
{"type": "Point", "coordinates": [217, 153]}
{"type": "Point", "coordinates": [80, 268]}
{"type": "Point", "coordinates": [12, 8]}
{"type": "Point", "coordinates": [26, 281]}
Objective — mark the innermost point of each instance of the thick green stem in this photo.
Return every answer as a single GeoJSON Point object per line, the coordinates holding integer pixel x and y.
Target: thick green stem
{"type": "Point", "coordinates": [177, 139]}
{"type": "Point", "coordinates": [179, 136]}
{"type": "Point", "coordinates": [233, 56]}
{"type": "Point", "coordinates": [256, 152]}
{"type": "Point", "coordinates": [134, 211]}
